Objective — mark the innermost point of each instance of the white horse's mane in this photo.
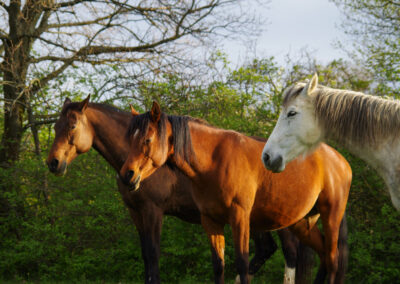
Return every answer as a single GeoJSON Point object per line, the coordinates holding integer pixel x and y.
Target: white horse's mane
{"type": "Point", "coordinates": [349, 116]}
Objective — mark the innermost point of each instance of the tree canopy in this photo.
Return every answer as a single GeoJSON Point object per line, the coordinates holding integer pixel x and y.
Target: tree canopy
{"type": "Point", "coordinates": [374, 28]}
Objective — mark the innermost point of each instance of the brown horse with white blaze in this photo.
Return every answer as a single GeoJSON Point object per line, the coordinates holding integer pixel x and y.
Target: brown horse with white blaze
{"type": "Point", "coordinates": [83, 125]}
{"type": "Point", "coordinates": [231, 185]}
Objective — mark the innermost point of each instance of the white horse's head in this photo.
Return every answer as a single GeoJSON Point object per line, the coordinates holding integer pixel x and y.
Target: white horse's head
{"type": "Point", "coordinates": [297, 131]}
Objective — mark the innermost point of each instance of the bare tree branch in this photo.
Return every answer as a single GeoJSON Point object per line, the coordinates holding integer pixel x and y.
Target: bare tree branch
{"type": "Point", "coordinates": [3, 5]}
{"type": "Point", "coordinates": [150, 33]}
{"type": "Point", "coordinates": [41, 122]}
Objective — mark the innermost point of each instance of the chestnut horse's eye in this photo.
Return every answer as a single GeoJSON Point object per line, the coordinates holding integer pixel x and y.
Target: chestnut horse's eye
{"type": "Point", "coordinates": [147, 141]}
{"type": "Point", "coordinates": [73, 126]}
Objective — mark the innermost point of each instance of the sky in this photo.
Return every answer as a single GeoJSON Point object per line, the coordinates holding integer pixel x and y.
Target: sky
{"type": "Point", "coordinates": [293, 25]}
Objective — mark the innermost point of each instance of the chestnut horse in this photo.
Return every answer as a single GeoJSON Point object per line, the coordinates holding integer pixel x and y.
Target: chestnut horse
{"type": "Point", "coordinates": [231, 185]}
{"type": "Point", "coordinates": [83, 125]}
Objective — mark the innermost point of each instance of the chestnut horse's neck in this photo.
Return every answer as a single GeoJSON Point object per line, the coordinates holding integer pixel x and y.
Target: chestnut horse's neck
{"type": "Point", "coordinates": [214, 147]}
{"type": "Point", "coordinates": [110, 126]}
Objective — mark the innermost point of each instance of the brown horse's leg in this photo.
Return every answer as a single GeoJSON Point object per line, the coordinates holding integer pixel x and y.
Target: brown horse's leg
{"type": "Point", "coordinates": [215, 233]}
{"type": "Point", "coordinates": [289, 247]}
{"type": "Point", "coordinates": [265, 247]}
{"type": "Point", "coordinates": [148, 223]}
{"type": "Point", "coordinates": [240, 224]}
{"type": "Point", "coordinates": [343, 252]}
{"type": "Point", "coordinates": [309, 234]}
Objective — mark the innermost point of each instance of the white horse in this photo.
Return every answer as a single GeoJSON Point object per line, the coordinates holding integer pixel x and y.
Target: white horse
{"type": "Point", "coordinates": [368, 126]}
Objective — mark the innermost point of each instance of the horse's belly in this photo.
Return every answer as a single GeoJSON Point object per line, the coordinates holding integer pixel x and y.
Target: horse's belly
{"type": "Point", "coordinates": [262, 219]}
{"type": "Point", "coordinates": [275, 214]}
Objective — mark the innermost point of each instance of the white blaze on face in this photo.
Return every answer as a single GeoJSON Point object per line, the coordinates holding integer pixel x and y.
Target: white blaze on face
{"type": "Point", "coordinates": [136, 133]}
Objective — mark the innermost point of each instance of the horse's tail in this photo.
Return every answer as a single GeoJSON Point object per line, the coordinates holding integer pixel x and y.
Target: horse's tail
{"type": "Point", "coordinates": [304, 264]}
{"type": "Point", "coordinates": [343, 251]}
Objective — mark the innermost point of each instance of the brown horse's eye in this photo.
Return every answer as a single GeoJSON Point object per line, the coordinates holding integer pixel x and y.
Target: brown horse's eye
{"type": "Point", "coordinates": [147, 142]}
{"type": "Point", "coordinates": [73, 126]}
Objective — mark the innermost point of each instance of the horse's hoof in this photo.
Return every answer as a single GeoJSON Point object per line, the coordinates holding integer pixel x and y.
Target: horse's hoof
{"type": "Point", "coordinates": [237, 280]}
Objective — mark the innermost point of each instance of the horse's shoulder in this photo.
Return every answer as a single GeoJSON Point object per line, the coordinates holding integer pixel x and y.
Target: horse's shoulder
{"type": "Point", "coordinates": [333, 159]}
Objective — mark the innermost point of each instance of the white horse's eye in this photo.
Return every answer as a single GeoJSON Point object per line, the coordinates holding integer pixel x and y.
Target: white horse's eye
{"type": "Point", "coordinates": [291, 113]}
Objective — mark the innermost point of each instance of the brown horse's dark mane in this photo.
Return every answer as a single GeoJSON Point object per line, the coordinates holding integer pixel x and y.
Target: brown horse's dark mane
{"type": "Point", "coordinates": [107, 107]}
{"type": "Point", "coordinates": [75, 106]}
{"type": "Point", "coordinates": [110, 111]}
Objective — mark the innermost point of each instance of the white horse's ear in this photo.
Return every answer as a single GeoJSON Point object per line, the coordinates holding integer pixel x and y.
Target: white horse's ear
{"type": "Point", "coordinates": [312, 84]}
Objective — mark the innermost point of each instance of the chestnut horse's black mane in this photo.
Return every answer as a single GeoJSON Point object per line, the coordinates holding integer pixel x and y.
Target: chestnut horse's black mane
{"type": "Point", "coordinates": [182, 141]}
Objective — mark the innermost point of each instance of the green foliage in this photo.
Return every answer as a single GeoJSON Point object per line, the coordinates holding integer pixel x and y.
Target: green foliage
{"type": "Point", "coordinates": [66, 228]}
{"type": "Point", "coordinates": [76, 228]}
{"type": "Point", "coordinates": [373, 25]}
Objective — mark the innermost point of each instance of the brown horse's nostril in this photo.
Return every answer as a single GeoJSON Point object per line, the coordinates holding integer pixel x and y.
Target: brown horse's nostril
{"type": "Point", "coordinates": [53, 164]}
{"type": "Point", "coordinates": [129, 174]}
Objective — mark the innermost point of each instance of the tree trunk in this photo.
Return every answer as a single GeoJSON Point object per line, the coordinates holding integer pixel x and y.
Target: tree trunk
{"type": "Point", "coordinates": [14, 108]}
{"type": "Point", "coordinates": [14, 69]}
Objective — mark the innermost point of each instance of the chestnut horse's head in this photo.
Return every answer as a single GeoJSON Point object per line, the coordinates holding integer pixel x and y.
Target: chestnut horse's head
{"type": "Point", "coordinates": [149, 137]}
{"type": "Point", "coordinates": [74, 136]}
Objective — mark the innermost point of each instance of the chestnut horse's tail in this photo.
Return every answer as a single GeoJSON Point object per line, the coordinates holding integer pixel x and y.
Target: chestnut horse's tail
{"type": "Point", "coordinates": [343, 250]}
{"type": "Point", "coordinates": [305, 258]}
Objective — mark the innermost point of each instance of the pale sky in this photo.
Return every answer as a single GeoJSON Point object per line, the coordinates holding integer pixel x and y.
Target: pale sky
{"type": "Point", "coordinates": [293, 25]}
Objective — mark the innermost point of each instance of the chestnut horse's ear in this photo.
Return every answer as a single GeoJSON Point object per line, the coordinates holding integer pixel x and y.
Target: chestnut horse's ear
{"type": "Point", "coordinates": [133, 111]}
{"type": "Point", "coordinates": [83, 105]}
{"type": "Point", "coordinates": [155, 112]}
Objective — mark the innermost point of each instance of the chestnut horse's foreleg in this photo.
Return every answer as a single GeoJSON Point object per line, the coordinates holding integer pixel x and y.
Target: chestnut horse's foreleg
{"type": "Point", "coordinates": [240, 224]}
{"type": "Point", "coordinates": [331, 216]}
{"type": "Point", "coordinates": [215, 233]}
{"type": "Point", "coordinates": [148, 223]}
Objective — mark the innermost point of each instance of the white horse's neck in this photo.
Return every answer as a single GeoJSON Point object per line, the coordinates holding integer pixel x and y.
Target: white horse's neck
{"type": "Point", "coordinates": [385, 159]}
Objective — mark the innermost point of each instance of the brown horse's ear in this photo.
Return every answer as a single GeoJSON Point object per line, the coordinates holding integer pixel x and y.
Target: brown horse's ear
{"type": "Point", "coordinates": [83, 105]}
{"type": "Point", "coordinates": [67, 101]}
{"type": "Point", "coordinates": [155, 112]}
{"type": "Point", "coordinates": [133, 111]}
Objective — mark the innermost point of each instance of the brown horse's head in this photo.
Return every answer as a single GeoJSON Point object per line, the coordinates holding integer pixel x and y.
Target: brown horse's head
{"type": "Point", "coordinates": [149, 137]}
{"type": "Point", "coordinates": [74, 136]}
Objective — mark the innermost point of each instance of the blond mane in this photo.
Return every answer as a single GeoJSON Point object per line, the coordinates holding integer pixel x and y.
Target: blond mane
{"type": "Point", "coordinates": [354, 117]}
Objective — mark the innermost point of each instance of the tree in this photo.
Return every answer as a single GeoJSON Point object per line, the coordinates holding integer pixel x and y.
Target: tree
{"type": "Point", "coordinates": [374, 27]}
{"type": "Point", "coordinates": [61, 34]}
